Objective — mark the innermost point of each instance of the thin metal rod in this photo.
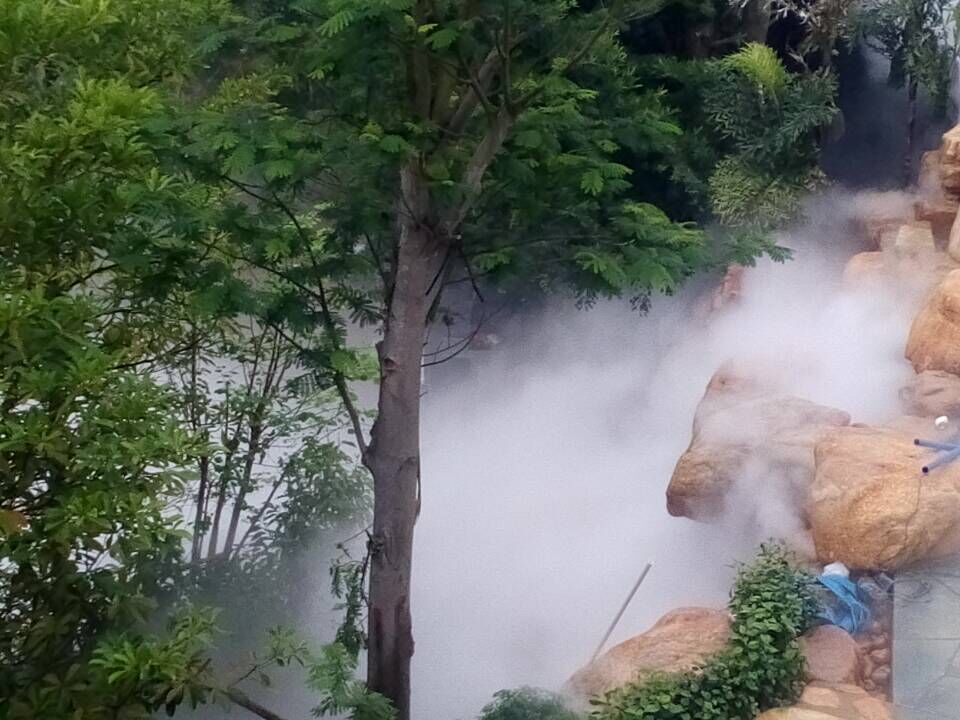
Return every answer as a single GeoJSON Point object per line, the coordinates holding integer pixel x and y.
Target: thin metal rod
{"type": "Point", "coordinates": [935, 445]}
{"type": "Point", "coordinates": [623, 609]}
{"type": "Point", "coordinates": [947, 457]}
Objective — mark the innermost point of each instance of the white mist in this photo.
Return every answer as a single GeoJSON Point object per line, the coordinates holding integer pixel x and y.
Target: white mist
{"type": "Point", "coordinates": [545, 464]}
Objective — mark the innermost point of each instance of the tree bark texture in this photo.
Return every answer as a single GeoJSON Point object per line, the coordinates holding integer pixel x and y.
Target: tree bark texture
{"type": "Point", "coordinates": [393, 456]}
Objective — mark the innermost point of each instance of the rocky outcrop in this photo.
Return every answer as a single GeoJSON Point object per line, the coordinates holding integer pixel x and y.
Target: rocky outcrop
{"type": "Point", "coordinates": [934, 341]}
{"type": "Point", "coordinates": [739, 427]}
{"type": "Point", "coordinates": [932, 393]}
{"type": "Point", "coordinates": [831, 654]}
{"type": "Point", "coordinates": [940, 213]}
{"type": "Point", "coordinates": [821, 701]}
{"type": "Point", "coordinates": [949, 163]}
{"type": "Point", "coordinates": [866, 270]}
{"type": "Point", "coordinates": [953, 242]}
{"type": "Point", "coordinates": [681, 640]}
{"type": "Point", "coordinates": [914, 242]}
{"type": "Point", "coordinates": [871, 507]}
{"type": "Point", "coordinates": [909, 262]}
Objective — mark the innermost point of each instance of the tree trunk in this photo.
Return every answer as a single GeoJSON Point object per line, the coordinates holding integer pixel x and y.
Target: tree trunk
{"type": "Point", "coordinates": [253, 447]}
{"type": "Point", "coordinates": [197, 549]}
{"type": "Point", "coordinates": [756, 20]}
{"type": "Point", "coordinates": [911, 131]}
{"type": "Point", "coordinates": [393, 456]}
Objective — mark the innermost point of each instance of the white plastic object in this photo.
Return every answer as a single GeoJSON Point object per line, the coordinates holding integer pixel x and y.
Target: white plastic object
{"type": "Point", "coordinates": [941, 422]}
{"type": "Point", "coordinates": [836, 568]}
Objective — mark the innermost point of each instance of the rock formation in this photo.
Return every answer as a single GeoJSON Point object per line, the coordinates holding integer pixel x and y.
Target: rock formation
{"type": "Point", "coordinates": [737, 422]}
{"type": "Point", "coordinates": [934, 341]}
{"type": "Point", "coordinates": [680, 640]}
{"type": "Point", "coordinates": [872, 508]}
{"type": "Point", "coordinates": [822, 701]}
{"type": "Point", "coordinates": [832, 655]}
{"type": "Point", "coordinates": [932, 393]}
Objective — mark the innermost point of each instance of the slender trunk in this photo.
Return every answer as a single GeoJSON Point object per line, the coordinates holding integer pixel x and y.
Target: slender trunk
{"type": "Point", "coordinates": [911, 131]}
{"type": "Point", "coordinates": [197, 548]}
{"type": "Point", "coordinates": [248, 462]}
{"type": "Point", "coordinates": [255, 522]}
{"type": "Point", "coordinates": [393, 456]}
{"type": "Point", "coordinates": [214, 541]}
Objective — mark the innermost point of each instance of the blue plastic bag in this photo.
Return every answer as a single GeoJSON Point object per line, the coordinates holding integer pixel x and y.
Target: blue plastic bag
{"type": "Point", "coordinates": [847, 611]}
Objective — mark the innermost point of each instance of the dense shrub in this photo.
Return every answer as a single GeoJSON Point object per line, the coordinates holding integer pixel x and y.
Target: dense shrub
{"type": "Point", "coordinates": [527, 703]}
{"type": "Point", "coordinates": [761, 667]}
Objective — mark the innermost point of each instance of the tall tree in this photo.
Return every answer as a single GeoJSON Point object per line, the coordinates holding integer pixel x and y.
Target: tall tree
{"type": "Point", "coordinates": [921, 38]}
{"type": "Point", "coordinates": [381, 151]}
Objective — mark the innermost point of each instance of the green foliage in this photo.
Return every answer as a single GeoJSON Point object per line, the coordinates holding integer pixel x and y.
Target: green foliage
{"type": "Point", "coordinates": [920, 37]}
{"type": "Point", "coordinates": [554, 200]}
{"type": "Point", "coordinates": [767, 120]}
{"type": "Point", "coordinates": [78, 164]}
{"type": "Point", "coordinates": [153, 672]}
{"type": "Point", "coordinates": [762, 68]}
{"type": "Point", "coordinates": [526, 703]}
{"type": "Point", "coordinates": [762, 666]}
{"type": "Point", "coordinates": [332, 676]}
{"type": "Point", "coordinates": [89, 459]}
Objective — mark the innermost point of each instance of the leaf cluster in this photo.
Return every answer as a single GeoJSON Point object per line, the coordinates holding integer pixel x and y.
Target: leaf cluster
{"type": "Point", "coordinates": [761, 668]}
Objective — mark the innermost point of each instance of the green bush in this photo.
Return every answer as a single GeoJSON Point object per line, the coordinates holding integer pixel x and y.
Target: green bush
{"type": "Point", "coordinates": [760, 668]}
{"type": "Point", "coordinates": [527, 703]}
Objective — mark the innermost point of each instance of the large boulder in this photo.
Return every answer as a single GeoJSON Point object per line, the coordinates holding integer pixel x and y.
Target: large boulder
{"type": "Point", "coordinates": [953, 242]}
{"type": "Point", "coordinates": [823, 701]}
{"type": "Point", "coordinates": [866, 270]}
{"type": "Point", "coordinates": [909, 263]}
{"type": "Point", "coordinates": [914, 241]}
{"type": "Point", "coordinates": [872, 508]}
{"type": "Point", "coordinates": [831, 654]}
{"type": "Point", "coordinates": [934, 341]}
{"type": "Point", "coordinates": [681, 640]}
{"type": "Point", "coordinates": [741, 427]}
{"type": "Point", "coordinates": [949, 162]}
{"type": "Point", "coordinates": [940, 212]}
{"type": "Point", "coordinates": [932, 393]}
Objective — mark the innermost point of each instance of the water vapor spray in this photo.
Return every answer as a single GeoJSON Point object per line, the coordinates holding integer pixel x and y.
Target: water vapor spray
{"type": "Point", "coordinates": [545, 462]}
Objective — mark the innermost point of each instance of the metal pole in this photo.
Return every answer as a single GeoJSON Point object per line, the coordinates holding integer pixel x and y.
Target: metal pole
{"type": "Point", "coordinates": [623, 609]}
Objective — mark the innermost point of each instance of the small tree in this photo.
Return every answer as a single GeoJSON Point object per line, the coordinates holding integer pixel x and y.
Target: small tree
{"type": "Point", "coordinates": [921, 38]}
{"type": "Point", "coordinates": [381, 150]}
{"type": "Point", "coordinates": [88, 463]}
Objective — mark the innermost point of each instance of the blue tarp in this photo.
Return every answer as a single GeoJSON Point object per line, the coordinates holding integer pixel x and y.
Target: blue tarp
{"type": "Point", "coordinates": [847, 611]}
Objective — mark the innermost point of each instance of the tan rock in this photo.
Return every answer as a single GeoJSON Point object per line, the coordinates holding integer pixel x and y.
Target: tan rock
{"type": "Point", "coordinates": [915, 426]}
{"type": "Point", "coordinates": [914, 241]}
{"type": "Point", "coordinates": [928, 178]}
{"type": "Point", "coordinates": [832, 702]}
{"type": "Point", "coordinates": [953, 241]}
{"type": "Point", "coordinates": [881, 675]}
{"type": "Point", "coordinates": [681, 640]}
{"type": "Point", "coordinates": [932, 393]}
{"type": "Point", "coordinates": [950, 162]}
{"type": "Point", "coordinates": [866, 269]}
{"type": "Point", "coordinates": [797, 713]}
{"type": "Point", "coordinates": [870, 708]}
{"type": "Point", "coordinates": [940, 212]}
{"type": "Point", "coordinates": [872, 508]}
{"type": "Point", "coordinates": [934, 341]}
{"type": "Point", "coordinates": [730, 289]}
{"type": "Point", "coordinates": [831, 654]}
{"type": "Point", "coordinates": [878, 232]}
{"type": "Point", "coordinates": [741, 422]}
{"type": "Point", "coordinates": [820, 696]}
